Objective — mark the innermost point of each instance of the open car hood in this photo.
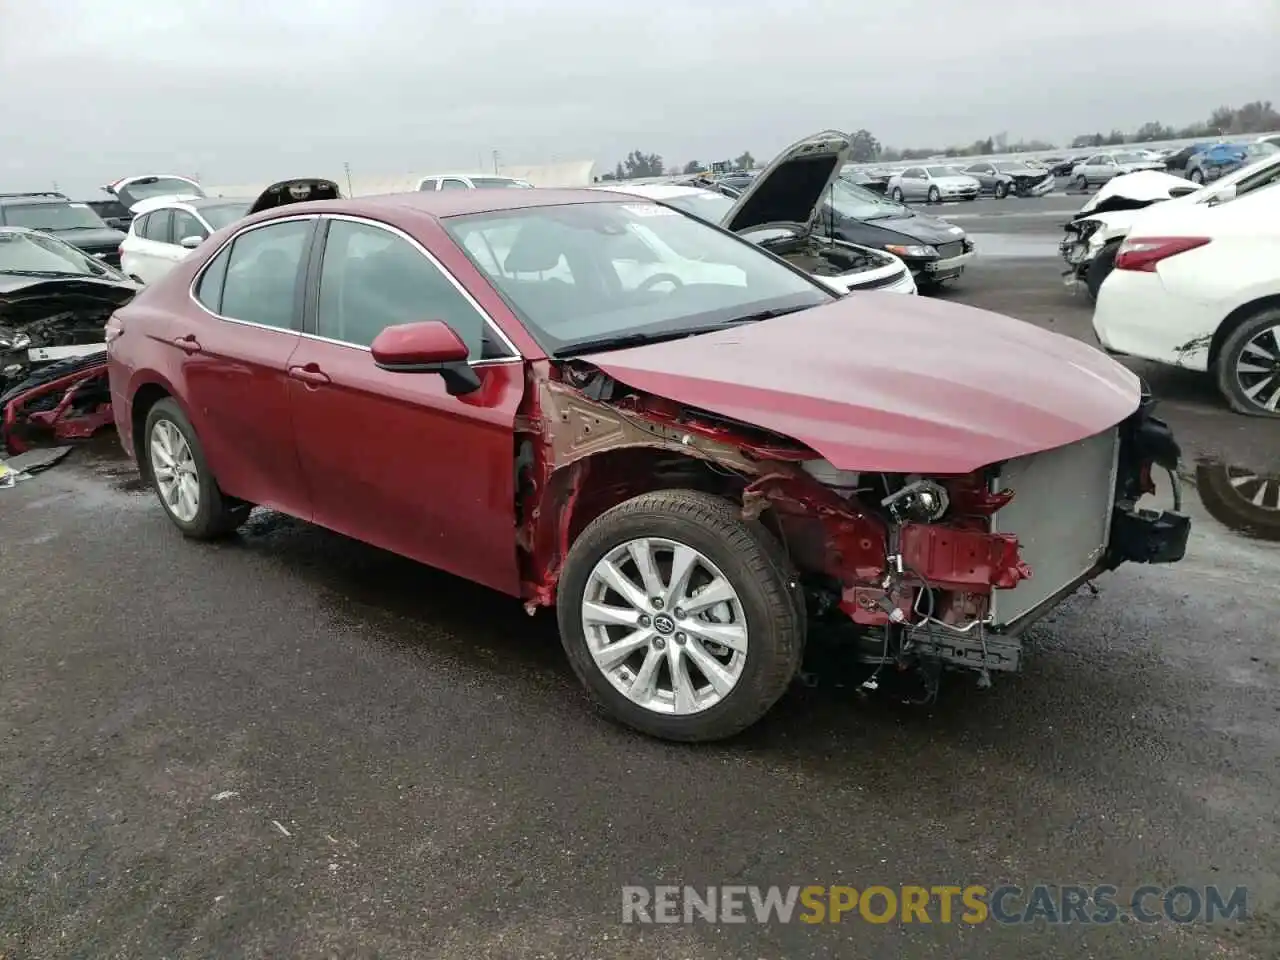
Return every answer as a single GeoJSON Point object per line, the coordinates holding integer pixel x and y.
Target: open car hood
{"type": "Point", "coordinates": [955, 388]}
{"type": "Point", "coordinates": [122, 189]}
{"type": "Point", "coordinates": [790, 189]}
{"type": "Point", "coordinates": [25, 300]}
{"type": "Point", "coordinates": [294, 191]}
{"type": "Point", "coordinates": [1133, 190]}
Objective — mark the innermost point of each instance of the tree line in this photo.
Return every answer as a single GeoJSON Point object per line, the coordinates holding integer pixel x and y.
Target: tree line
{"type": "Point", "coordinates": [1256, 117]}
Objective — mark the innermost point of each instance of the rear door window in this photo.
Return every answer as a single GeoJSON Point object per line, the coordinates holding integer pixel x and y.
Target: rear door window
{"type": "Point", "coordinates": [155, 226]}
{"type": "Point", "coordinates": [452, 183]}
{"type": "Point", "coordinates": [262, 274]}
{"type": "Point", "coordinates": [186, 225]}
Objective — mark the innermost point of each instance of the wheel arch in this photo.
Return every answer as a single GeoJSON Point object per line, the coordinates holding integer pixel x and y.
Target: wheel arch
{"type": "Point", "coordinates": [1234, 319]}
{"type": "Point", "coordinates": [143, 397]}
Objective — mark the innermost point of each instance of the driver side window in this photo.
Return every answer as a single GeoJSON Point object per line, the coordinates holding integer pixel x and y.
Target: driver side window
{"type": "Point", "coordinates": [371, 279]}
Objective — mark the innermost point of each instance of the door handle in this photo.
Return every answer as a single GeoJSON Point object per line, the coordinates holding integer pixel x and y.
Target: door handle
{"type": "Point", "coordinates": [187, 343]}
{"type": "Point", "coordinates": [310, 373]}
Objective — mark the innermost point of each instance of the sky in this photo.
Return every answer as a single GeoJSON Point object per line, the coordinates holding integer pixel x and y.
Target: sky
{"type": "Point", "coordinates": [246, 92]}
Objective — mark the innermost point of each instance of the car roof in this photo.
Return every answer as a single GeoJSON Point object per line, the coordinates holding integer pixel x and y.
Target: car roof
{"type": "Point", "coordinates": [470, 176]}
{"type": "Point", "coordinates": [656, 191]}
{"type": "Point", "coordinates": [441, 204]}
{"type": "Point", "coordinates": [25, 200]}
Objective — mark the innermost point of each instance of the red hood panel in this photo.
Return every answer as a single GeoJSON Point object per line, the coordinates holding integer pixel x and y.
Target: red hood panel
{"type": "Point", "coordinates": [882, 382]}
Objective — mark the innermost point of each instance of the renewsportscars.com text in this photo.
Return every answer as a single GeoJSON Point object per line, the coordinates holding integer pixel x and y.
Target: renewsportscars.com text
{"type": "Point", "coordinates": [970, 904]}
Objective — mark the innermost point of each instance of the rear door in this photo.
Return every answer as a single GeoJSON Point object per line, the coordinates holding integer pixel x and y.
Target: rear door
{"type": "Point", "coordinates": [150, 252]}
{"type": "Point", "coordinates": [392, 458]}
{"type": "Point", "coordinates": [236, 347]}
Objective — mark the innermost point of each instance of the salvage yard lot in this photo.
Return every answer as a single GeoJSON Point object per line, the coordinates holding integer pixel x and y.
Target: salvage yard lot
{"type": "Point", "coordinates": [295, 745]}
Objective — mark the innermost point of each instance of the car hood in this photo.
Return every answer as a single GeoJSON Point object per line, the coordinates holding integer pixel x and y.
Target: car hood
{"type": "Point", "coordinates": [90, 238]}
{"type": "Point", "coordinates": [27, 299]}
{"type": "Point", "coordinates": [917, 226]}
{"type": "Point", "coordinates": [1137, 189]}
{"type": "Point", "coordinates": [789, 190]}
{"type": "Point", "coordinates": [294, 191]}
{"type": "Point", "coordinates": [955, 389]}
{"type": "Point", "coordinates": [1142, 165]}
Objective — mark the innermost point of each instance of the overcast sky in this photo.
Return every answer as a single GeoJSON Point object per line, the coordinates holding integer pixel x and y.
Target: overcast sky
{"type": "Point", "coordinates": [244, 91]}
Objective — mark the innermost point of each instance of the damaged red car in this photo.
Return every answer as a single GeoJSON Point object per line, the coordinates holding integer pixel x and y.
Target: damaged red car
{"type": "Point", "coordinates": [687, 446]}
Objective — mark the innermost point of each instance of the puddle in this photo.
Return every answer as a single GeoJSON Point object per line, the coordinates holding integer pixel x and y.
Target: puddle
{"type": "Point", "coordinates": [1247, 501]}
{"type": "Point", "coordinates": [1023, 246]}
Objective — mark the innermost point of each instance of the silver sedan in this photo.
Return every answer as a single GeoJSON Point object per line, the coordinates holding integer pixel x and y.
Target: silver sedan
{"type": "Point", "coordinates": [932, 183]}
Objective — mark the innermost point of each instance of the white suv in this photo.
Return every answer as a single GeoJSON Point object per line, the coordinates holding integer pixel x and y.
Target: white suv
{"type": "Point", "coordinates": [472, 181]}
{"type": "Point", "coordinates": [166, 229]}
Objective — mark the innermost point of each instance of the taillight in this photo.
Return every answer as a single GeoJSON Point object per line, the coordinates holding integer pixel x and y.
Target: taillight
{"type": "Point", "coordinates": [1144, 253]}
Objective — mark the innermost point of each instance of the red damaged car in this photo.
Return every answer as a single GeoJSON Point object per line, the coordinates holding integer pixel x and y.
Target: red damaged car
{"type": "Point", "coordinates": [689, 447]}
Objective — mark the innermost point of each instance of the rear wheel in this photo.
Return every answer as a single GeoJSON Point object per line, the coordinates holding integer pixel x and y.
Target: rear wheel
{"type": "Point", "coordinates": [682, 619]}
{"type": "Point", "coordinates": [182, 479]}
{"type": "Point", "coordinates": [1082, 182]}
{"type": "Point", "coordinates": [1100, 268]}
{"type": "Point", "coordinates": [1197, 176]}
{"type": "Point", "coordinates": [1248, 365]}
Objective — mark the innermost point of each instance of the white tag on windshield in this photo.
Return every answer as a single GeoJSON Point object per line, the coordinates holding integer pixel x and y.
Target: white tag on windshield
{"type": "Point", "coordinates": [649, 210]}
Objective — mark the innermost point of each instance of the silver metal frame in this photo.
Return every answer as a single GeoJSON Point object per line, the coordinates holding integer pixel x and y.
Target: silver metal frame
{"type": "Point", "coordinates": [352, 218]}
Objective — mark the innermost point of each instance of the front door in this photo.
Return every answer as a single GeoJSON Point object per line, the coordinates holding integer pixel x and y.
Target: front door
{"type": "Point", "coordinates": [391, 458]}
{"type": "Point", "coordinates": [149, 259]}
{"type": "Point", "coordinates": [236, 359]}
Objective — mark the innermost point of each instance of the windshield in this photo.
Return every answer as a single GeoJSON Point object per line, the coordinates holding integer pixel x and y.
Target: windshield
{"type": "Point", "coordinates": [501, 183]}
{"type": "Point", "coordinates": [591, 272]}
{"type": "Point", "coordinates": [942, 172]}
{"type": "Point", "coordinates": [1006, 166]}
{"type": "Point", "coordinates": [223, 214]}
{"type": "Point", "coordinates": [705, 205]}
{"type": "Point", "coordinates": [22, 252]}
{"type": "Point", "coordinates": [1261, 149]}
{"type": "Point", "coordinates": [1128, 157]}
{"type": "Point", "coordinates": [859, 203]}
{"type": "Point", "coordinates": [53, 216]}
{"type": "Point", "coordinates": [149, 187]}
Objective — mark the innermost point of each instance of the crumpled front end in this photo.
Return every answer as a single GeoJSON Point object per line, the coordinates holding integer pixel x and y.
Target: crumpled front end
{"type": "Point", "coordinates": [1031, 185]}
{"type": "Point", "coordinates": [920, 572]}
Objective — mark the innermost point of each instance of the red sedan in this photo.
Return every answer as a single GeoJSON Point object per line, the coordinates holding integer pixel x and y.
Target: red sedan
{"type": "Point", "coordinates": [684, 443]}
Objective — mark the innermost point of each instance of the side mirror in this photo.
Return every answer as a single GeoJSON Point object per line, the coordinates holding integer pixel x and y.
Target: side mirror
{"type": "Point", "coordinates": [431, 346]}
{"type": "Point", "coordinates": [191, 242]}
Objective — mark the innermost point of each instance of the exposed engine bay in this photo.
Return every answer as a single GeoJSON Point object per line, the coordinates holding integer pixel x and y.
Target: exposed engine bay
{"type": "Point", "coordinates": [825, 259]}
{"type": "Point", "coordinates": [53, 357]}
{"type": "Point", "coordinates": [920, 573]}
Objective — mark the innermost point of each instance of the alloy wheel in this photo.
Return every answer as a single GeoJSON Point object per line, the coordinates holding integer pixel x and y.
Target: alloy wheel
{"type": "Point", "coordinates": [175, 471]}
{"type": "Point", "coordinates": [1258, 368]}
{"type": "Point", "coordinates": [665, 626]}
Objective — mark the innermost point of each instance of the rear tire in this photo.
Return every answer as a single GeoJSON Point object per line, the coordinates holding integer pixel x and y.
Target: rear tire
{"type": "Point", "coordinates": [1196, 177]}
{"type": "Point", "coordinates": [1233, 348]}
{"type": "Point", "coordinates": [1100, 268]}
{"type": "Point", "coordinates": [1082, 182]}
{"type": "Point", "coordinates": [767, 608]}
{"type": "Point", "coordinates": [214, 515]}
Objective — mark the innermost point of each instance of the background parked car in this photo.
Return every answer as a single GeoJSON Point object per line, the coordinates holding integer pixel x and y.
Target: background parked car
{"type": "Point", "coordinates": [54, 301]}
{"type": "Point", "coordinates": [472, 181]}
{"type": "Point", "coordinates": [113, 213]}
{"type": "Point", "coordinates": [1197, 285]}
{"type": "Point", "coordinates": [934, 250]}
{"type": "Point", "coordinates": [54, 213]}
{"type": "Point", "coordinates": [1000, 178]}
{"type": "Point", "coordinates": [933, 184]}
{"type": "Point", "coordinates": [1101, 167]}
{"type": "Point", "coordinates": [1224, 158]}
{"type": "Point", "coordinates": [166, 229]}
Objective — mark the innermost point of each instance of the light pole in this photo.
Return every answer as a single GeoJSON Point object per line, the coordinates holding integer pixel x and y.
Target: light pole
{"type": "Point", "coordinates": [346, 168]}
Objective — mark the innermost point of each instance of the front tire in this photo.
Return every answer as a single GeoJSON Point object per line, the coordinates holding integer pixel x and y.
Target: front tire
{"type": "Point", "coordinates": [1247, 369]}
{"type": "Point", "coordinates": [934, 195]}
{"type": "Point", "coordinates": [1082, 182]}
{"type": "Point", "coordinates": [1002, 191]}
{"type": "Point", "coordinates": [1197, 177]}
{"type": "Point", "coordinates": [182, 479]}
{"type": "Point", "coordinates": [681, 619]}
{"type": "Point", "coordinates": [896, 194]}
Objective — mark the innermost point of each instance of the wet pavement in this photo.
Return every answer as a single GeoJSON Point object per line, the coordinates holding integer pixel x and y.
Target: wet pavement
{"type": "Point", "coordinates": [291, 744]}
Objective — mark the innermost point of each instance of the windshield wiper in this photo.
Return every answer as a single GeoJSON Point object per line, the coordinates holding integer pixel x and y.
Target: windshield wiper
{"type": "Point", "coordinates": [42, 273]}
{"type": "Point", "coordinates": [761, 315]}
